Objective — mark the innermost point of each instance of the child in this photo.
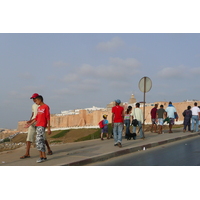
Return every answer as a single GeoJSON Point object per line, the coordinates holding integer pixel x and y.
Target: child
{"type": "Point", "coordinates": [42, 121]}
{"type": "Point", "coordinates": [105, 127]}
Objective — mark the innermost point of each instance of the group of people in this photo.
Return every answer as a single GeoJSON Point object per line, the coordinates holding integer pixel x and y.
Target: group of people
{"type": "Point", "coordinates": [119, 118]}
{"type": "Point", "coordinates": [158, 118]}
{"type": "Point", "coordinates": [39, 121]}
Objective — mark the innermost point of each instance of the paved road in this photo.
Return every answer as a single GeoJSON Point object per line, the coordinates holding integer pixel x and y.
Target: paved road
{"type": "Point", "coordinates": [181, 153]}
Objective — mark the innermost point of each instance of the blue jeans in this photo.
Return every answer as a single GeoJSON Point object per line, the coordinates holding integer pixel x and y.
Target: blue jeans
{"type": "Point", "coordinates": [117, 131]}
{"type": "Point", "coordinates": [195, 119]}
{"type": "Point", "coordinates": [127, 124]}
{"type": "Point", "coordinates": [141, 131]}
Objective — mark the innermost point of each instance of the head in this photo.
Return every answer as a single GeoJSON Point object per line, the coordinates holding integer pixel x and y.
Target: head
{"type": "Point", "coordinates": [161, 106]}
{"type": "Point", "coordinates": [117, 102]}
{"type": "Point", "coordinates": [34, 96]}
{"type": "Point", "coordinates": [156, 105]}
{"type": "Point", "coordinates": [105, 116]}
{"type": "Point", "coordinates": [39, 100]}
{"type": "Point", "coordinates": [129, 109]}
{"type": "Point", "coordinates": [189, 107]}
{"type": "Point", "coordinates": [195, 104]}
{"type": "Point", "coordinates": [137, 105]}
{"type": "Point", "coordinates": [170, 103]}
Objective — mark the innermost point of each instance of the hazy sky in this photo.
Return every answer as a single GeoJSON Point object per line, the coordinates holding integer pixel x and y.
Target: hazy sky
{"type": "Point", "coordinates": [83, 70]}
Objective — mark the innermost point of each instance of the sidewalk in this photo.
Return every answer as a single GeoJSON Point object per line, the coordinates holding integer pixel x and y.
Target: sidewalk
{"type": "Point", "coordinates": [87, 152]}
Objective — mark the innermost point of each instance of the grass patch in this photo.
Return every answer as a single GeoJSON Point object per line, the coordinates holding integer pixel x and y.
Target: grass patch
{"type": "Point", "coordinates": [60, 134]}
{"type": "Point", "coordinates": [95, 135]}
{"type": "Point", "coordinates": [56, 141]}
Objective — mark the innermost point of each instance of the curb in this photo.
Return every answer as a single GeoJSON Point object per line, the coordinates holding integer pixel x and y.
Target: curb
{"type": "Point", "coordinates": [109, 155]}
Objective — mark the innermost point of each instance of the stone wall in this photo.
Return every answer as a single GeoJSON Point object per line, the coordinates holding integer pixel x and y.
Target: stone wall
{"type": "Point", "coordinates": [84, 118]}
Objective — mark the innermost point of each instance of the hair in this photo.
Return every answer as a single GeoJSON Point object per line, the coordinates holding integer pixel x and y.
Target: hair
{"type": "Point", "coordinates": [137, 105]}
{"type": "Point", "coordinates": [129, 109]}
{"type": "Point", "coordinates": [189, 107]}
{"type": "Point", "coordinates": [195, 104]}
{"type": "Point", "coordinates": [170, 103]}
{"type": "Point", "coordinates": [104, 117]}
{"type": "Point", "coordinates": [39, 97]}
{"type": "Point", "coordinates": [161, 106]}
{"type": "Point", "coordinates": [156, 104]}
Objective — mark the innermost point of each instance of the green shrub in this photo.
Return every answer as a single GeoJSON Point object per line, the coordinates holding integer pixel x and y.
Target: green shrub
{"type": "Point", "coordinates": [6, 140]}
{"type": "Point", "coordinates": [61, 134]}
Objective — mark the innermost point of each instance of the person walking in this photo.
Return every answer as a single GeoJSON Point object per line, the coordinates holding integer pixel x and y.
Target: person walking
{"type": "Point", "coordinates": [42, 121]}
{"type": "Point", "coordinates": [104, 130]}
{"type": "Point", "coordinates": [160, 113]}
{"type": "Point", "coordinates": [171, 113]}
{"type": "Point", "coordinates": [195, 117]}
{"type": "Point", "coordinates": [138, 115]}
{"type": "Point", "coordinates": [117, 122]}
{"type": "Point", "coordinates": [187, 114]}
{"type": "Point", "coordinates": [32, 131]}
{"type": "Point", "coordinates": [127, 120]}
{"type": "Point", "coordinates": [153, 118]}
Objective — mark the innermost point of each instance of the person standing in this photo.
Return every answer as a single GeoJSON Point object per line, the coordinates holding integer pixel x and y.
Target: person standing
{"type": "Point", "coordinates": [153, 118]}
{"type": "Point", "coordinates": [42, 120]}
{"type": "Point", "coordinates": [127, 120]}
{"type": "Point", "coordinates": [117, 122]}
{"type": "Point", "coordinates": [160, 113]}
{"type": "Point", "coordinates": [195, 117]}
{"type": "Point", "coordinates": [187, 114]}
{"type": "Point", "coordinates": [32, 131]}
{"type": "Point", "coordinates": [137, 114]}
{"type": "Point", "coordinates": [171, 113]}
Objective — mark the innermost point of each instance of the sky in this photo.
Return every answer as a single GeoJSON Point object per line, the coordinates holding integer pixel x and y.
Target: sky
{"type": "Point", "coordinates": [81, 70]}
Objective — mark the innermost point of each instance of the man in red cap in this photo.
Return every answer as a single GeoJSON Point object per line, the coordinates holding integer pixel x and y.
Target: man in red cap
{"type": "Point", "coordinates": [32, 130]}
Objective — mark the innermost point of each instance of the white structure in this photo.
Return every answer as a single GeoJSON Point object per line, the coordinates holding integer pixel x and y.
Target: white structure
{"type": "Point", "coordinates": [76, 112]}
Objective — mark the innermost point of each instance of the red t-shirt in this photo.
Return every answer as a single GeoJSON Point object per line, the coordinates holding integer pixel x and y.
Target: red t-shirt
{"type": "Point", "coordinates": [118, 111]}
{"type": "Point", "coordinates": [43, 115]}
{"type": "Point", "coordinates": [153, 113]}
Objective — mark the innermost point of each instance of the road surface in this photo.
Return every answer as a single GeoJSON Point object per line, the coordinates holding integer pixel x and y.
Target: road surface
{"type": "Point", "coordinates": [182, 153]}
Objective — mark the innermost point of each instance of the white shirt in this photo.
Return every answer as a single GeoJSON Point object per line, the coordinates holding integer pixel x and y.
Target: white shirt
{"type": "Point", "coordinates": [195, 110]}
{"type": "Point", "coordinates": [34, 110]}
{"type": "Point", "coordinates": [137, 114]}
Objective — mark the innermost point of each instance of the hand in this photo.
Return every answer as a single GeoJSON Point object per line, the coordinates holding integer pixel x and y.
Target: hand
{"type": "Point", "coordinates": [26, 125]}
{"type": "Point", "coordinates": [49, 132]}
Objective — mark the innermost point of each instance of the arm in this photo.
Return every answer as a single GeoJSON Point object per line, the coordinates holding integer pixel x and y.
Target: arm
{"type": "Point", "coordinates": [48, 121]}
{"type": "Point", "coordinates": [48, 127]}
{"type": "Point", "coordinates": [112, 119]}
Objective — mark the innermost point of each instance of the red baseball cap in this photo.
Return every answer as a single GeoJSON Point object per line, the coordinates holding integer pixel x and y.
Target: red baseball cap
{"type": "Point", "coordinates": [34, 96]}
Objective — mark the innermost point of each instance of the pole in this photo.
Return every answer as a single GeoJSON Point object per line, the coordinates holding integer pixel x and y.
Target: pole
{"type": "Point", "coordinates": [144, 104]}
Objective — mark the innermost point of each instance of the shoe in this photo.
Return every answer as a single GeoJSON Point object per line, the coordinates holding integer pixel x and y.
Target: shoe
{"type": "Point", "coordinates": [101, 138]}
{"type": "Point", "coordinates": [44, 159]}
{"type": "Point", "coordinates": [119, 145]}
{"type": "Point", "coordinates": [40, 160]}
{"type": "Point", "coordinates": [115, 145]}
{"type": "Point", "coordinates": [142, 138]}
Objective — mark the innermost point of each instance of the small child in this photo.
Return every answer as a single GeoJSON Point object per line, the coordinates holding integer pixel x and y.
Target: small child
{"type": "Point", "coordinates": [42, 121]}
{"type": "Point", "coordinates": [105, 127]}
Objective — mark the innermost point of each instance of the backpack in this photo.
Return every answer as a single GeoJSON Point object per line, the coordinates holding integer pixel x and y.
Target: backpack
{"type": "Point", "coordinates": [101, 125]}
{"type": "Point", "coordinates": [135, 122]}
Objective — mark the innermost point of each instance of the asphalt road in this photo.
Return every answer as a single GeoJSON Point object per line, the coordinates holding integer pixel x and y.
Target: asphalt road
{"type": "Point", "coordinates": [182, 153]}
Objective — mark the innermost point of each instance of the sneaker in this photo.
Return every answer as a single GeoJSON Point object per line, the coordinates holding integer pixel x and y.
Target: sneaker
{"type": "Point", "coordinates": [115, 144]}
{"type": "Point", "coordinates": [40, 160]}
{"type": "Point", "coordinates": [44, 159]}
{"type": "Point", "coordinates": [119, 144]}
